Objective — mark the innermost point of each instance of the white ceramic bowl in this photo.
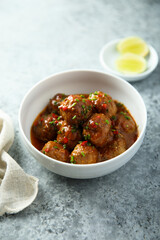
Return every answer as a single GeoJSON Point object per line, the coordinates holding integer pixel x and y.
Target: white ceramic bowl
{"type": "Point", "coordinates": [81, 81]}
{"type": "Point", "coordinates": [109, 54]}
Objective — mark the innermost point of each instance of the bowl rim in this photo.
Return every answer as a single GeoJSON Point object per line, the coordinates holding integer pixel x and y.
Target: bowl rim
{"type": "Point", "coordinates": [128, 77]}
{"type": "Point", "coordinates": [136, 143]}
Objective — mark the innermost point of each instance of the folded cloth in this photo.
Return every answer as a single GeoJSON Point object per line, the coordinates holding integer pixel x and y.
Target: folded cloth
{"type": "Point", "coordinates": [17, 189]}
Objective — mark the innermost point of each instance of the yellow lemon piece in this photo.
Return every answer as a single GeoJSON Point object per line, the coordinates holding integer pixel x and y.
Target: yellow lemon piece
{"type": "Point", "coordinates": [130, 63]}
{"type": "Point", "coordinates": [133, 45]}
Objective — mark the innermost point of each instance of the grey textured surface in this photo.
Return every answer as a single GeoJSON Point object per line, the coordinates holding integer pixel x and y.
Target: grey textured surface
{"type": "Point", "coordinates": [39, 38]}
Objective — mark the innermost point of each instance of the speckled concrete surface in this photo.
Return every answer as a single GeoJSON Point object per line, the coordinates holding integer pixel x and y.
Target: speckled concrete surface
{"type": "Point", "coordinates": [39, 38]}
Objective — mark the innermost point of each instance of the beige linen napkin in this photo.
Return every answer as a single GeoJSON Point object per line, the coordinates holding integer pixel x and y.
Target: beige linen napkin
{"type": "Point", "coordinates": [17, 189]}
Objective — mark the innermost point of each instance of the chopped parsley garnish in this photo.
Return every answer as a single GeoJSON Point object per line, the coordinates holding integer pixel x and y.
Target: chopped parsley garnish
{"type": "Point", "coordinates": [74, 117]}
{"type": "Point", "coordinates": [74, 104]}
{"type": "Point", "coordinates": [73, 129]}
{"type": "Point", "coordinates": [119, 104]}
{"type": "Point", "coordinates": [72, 159]}
{"type": "Point", "coordinates": [77, 100]}
{"type": "Point", "coordinates": [63, 96]}
{"type": "Point", "coordinates": [88, 136]}
{"type": "Point", "coordinates": [107, 121]}
{"type": "Point", "coordinates": [52, 122]}
{"type": "Point", "coordinates": [83, 154]}
{"type": "Point", "coordinates": [82, 96]}
{"type": "Point", "coordinates": [127, 117]}
{"type": "Point", "coordinates": [59, 118]}
{"type": "Point", "coordinates": [64, 146]}
{"type": "Point", "coordinates": [83, 100]}
{"type": "Point", "coordinates": [122, 113]}
{"type": "Point", "coordinates": [54, 111]}
{"type": "Point", "coordinates": [56, 147]}
{"type": "Point", "coordinates": [113, 117]}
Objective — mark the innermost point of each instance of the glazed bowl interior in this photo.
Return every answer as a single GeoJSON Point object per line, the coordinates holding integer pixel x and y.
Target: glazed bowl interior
{"type": "Point", "coordinates": [81, 81]}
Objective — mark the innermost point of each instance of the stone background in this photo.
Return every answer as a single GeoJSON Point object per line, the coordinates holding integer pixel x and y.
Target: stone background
{"type": "Point", "coordinates": [42, 37]}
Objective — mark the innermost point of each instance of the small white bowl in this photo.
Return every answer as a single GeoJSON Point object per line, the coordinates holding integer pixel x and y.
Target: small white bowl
{"type": "Point", "coordinates": [109, 54]}
{"type": "Point", "coordinates": [81, 81]}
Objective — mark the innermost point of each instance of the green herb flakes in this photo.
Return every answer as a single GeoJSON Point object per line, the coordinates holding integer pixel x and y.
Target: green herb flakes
{"type": "Point", "coordinates": [74, 117]}
{"type": "Point", "coordinates": [82, 153]}
{"type": "Point", "coordinates": [127, 117]}
{"type": "Point", "coordinates": [74, 104]}
{"type": "Point", "coordinates": [72, 159]}
{"type": "Point", "coordinates": [113, 117]}
{"type": "Point", "coordinates": [52, 122]}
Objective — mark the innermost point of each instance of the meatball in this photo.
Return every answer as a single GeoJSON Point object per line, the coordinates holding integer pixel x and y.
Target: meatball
{"type": "Point", "coordinates": [45, 127]}
{"type": "Point", "coordinates": [54, 103]}
{"type": "Point", "coordinates": [126, 125]}
{"type": "Point", "coordinates": [113, 149]}
{"type": "Point", "coordinates": [84, 154]}
{"type": "Point", "coordinates": [97, 130]}
{"type": "Point", "coordinates": [68, 135]}
{"type": "Point", "coordinates": [103, 103]}
{"type": "Point", "coordinates": [55, 150]}
{"type": "Point", "coordinates": [126, 122]}
{"type": "Point", "coordinates": [75, 109]}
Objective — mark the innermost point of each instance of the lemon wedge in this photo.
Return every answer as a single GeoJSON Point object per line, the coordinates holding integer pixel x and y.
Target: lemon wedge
{"type": "Point", "coordinates": [134, 45]}
{"type": "Point", "coordinates": [130, 63]}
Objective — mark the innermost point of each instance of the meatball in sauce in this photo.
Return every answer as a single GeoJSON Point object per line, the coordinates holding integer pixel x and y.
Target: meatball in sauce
{"type": "Point", "coordinates": [84, 154]}
{"type": "Point", "coordinates": [75, 109]}
{"type": "Point", "coordinates": [103, 103]}
{"type": "Point", "coordinates": [97, 129]}
{"type": "Point", "coordinates": [55, 150]}
{"type": "Point", "coordinates": [54, 103]}
{"type": "Point", "coordinates": [69, 135]}
{"type": "Point", "coordinates": [83, 128]}
{"type": "Point", "coordinates": [45, 127]}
